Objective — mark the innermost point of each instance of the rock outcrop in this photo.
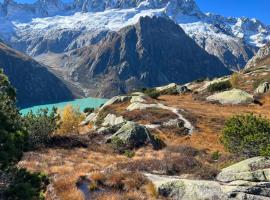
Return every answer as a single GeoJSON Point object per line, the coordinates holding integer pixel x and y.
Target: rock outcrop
{"type": "Point", "coordinates": [134, 135]}
{"type": "Point", "coordinates": [261, 58]}
{"type": "Point", "coordinates": [234, 96]}
{"type": "Point", "coordinates": [247, 180]}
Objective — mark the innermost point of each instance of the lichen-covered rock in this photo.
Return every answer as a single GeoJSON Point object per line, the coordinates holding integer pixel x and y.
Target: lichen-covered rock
{"type": "Point", "coordinates": [263, 88]}
{"type": "Point", "coordinates": [91, 117]}
{"type": "Point", "coordinates": [253, 169]}
{"type": "Point", "coordinates": [135, 135]}
{"type": "Point", "coordinates": [234, 96]}
{"type": "Point", "coordinates": [139, 99]}
{"type": "Point", "coordinates": [192, 190]}
{"type": "Point", "coordinates": [112, 119]}
{"type": "Point", "coordinates": [246, 180]}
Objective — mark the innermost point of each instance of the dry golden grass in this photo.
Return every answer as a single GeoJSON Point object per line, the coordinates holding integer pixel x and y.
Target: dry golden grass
{"type": "Point", "coordinates": [110, 196]}
{"type": "Point", "coordinates": [209, 120]}
{"type": "Point", "coordinates": [97, 176]}
{"type": "Point", "coordinates": [151, 190]}
{"type": "Point", "coordinates": [66, 166]}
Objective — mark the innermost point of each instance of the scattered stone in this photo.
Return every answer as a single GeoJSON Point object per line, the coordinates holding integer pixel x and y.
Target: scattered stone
{"type": "Point", "coordinates": [174, 123]}
{"type": "Point", "coordinates": [182, 89]}
{"type": "Point", "coordinates": [263, 88]}
{"type": "Point", "coordinates": [234, 96]}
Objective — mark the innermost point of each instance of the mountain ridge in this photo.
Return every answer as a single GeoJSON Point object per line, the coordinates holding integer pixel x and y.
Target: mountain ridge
{"type": "Point", "coordinates": [80, 23]}
{"type": "Point", "coordinates": [33, 82]}
{"type": "Point", "coordinates": [131, 59]}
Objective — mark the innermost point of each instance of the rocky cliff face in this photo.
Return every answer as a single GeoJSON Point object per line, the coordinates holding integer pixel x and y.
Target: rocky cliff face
{"type": "Point", "coordinates": [33, 82]}
{"type": "Point", "coordinates": [153, 52]}
{"type": "Point", "coordinates": [261, 58]}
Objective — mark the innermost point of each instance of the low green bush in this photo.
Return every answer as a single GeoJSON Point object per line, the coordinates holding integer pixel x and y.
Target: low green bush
{"type": "Point", "coordinates": [151, 92]}
{"type": "Point", "coordinates": [219, 86]}
{"type": "Point", "coordinates": [216, 155]}
{"type": "Point", "coordinates": [88, 110]}
{"type": "Point", "coordinates": [247, 135]}
{"type": "Point", "coordinates": [40, 126]}
{"type": "Point", "coordinates": [129, 153]}
{"type": "Point", "coordinates": [26, 186]}
{"type": "Point", "coordinates": [118, 145]}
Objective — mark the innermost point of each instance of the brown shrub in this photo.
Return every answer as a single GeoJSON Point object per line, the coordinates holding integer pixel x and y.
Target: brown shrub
{"type": "Point", "coordinates": [97, 176]}
{"type": "Point", "coordinates": [235, 79]}
{"type": "Point", "coordinates": [151, 190]}
{"type": "Point", "coordinates": [150, 115]}
{"type": "Point", "coordinates": [184, 150]}
{"type": "Point", "coordinates": [172, 164]}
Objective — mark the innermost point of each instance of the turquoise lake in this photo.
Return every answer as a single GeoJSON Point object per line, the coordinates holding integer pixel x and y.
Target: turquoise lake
{"type": "Point", "coordinates": [81, 103]}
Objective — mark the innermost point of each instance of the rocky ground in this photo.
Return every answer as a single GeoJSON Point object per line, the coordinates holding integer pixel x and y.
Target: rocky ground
{"type": "Point", "coordinates": [137, 147]}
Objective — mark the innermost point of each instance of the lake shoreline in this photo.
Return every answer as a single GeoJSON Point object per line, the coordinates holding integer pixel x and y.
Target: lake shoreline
{"type": "Point", "coordinates": [83, 103]}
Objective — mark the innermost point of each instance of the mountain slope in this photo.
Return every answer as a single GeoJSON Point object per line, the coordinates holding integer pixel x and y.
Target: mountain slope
{"type": "Point", "coordinates": [154, 51]}
{"type": "Point", "coordinates": [33, 82]}
{"type": "Point", "coordinates": [261, 58]}
{"type": "Point", "coordinates": [84, 22]}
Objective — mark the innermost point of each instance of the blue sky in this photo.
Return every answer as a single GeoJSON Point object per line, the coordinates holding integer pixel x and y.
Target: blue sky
{"type": "Point", "coordinates": [259, 9]}
{"type": "Point", "coordinates": [250, 8]}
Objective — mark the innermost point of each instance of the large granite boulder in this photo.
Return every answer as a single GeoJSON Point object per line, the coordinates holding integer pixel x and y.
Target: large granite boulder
{"type": "Point", "coordinates": [263, 88]}
{"type": "Point", "coordinates": [192, 190]}
{"type": "Point", "coordinates": [134, 135]}
{"type": "Point", "coordinates": [234, 96]}
{"type": "Point", "coordinates": [253, 169]}
{"type": "Point", "coordinates": [246, 180]}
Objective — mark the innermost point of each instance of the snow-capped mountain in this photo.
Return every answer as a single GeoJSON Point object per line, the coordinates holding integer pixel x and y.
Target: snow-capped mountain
{"type": "Point", "coordinates": [54, 26]}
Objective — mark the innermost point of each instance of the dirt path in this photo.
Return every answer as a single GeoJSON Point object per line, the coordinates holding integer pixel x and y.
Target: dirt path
{"type": "Point", "coordinates": [209, 119]}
